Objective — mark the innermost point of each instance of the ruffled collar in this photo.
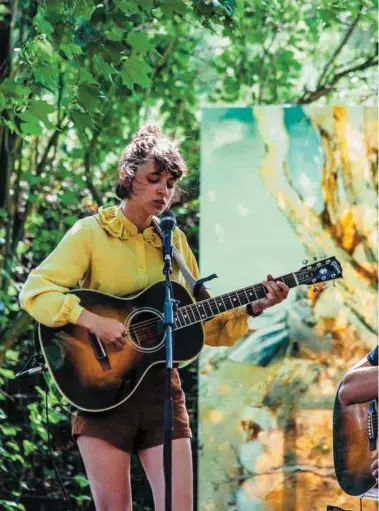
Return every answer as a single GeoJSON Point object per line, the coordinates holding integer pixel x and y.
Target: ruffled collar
{"type": "Point", "coordinates": [115, 223]}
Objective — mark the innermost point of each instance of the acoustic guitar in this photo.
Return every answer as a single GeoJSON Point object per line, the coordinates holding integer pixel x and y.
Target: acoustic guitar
{"type": "Point", "coordinates": [355, 445]}
{"type": "Point", "coordinates": [95, 377]}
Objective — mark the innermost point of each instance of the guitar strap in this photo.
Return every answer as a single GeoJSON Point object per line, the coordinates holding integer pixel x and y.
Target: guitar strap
{"type": "Point", "coordinates": [197, 288]}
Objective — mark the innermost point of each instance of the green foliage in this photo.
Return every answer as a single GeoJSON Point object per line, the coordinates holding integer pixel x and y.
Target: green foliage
{"type": "Point", "coordinates": [83, 76]}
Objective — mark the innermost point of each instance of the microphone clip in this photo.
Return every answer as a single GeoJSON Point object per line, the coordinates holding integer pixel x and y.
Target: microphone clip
{"type": "Point", "coordinates": [38, 366]}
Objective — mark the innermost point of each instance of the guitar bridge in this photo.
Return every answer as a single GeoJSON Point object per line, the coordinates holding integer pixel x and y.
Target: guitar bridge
{"type": "Point", "coordinates": [372, 419]}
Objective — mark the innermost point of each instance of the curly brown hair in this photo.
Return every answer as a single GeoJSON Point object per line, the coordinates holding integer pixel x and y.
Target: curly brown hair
{"type": "Point", "coordinates": [148, 144]}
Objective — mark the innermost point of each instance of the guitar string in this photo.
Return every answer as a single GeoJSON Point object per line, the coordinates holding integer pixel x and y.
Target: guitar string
{"type": "Point", "coordinates": [145, 326]}
{"type": "Point", "coordinates": [241, 292]}
{"type": "Point", "coordinates": [140, 327]}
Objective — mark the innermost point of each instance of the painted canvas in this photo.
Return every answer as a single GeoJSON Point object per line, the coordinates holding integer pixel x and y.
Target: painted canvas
{"type": "Point", "coordinates": [280, 185]}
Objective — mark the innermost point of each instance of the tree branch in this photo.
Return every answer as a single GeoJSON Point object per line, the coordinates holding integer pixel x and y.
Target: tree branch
{"type": "Point", "coordinates": [87, 166]}
{"type": "Point", "coordinates": [266, 53]}
{"type": "Point", "coordinates": [310, 96]}
{"type": "Point", "coordinates": [52, 141]}
{"type": "Point", "coordinates": [320, 471]}
{"type": "Point", "coordinates": [158, 68]}
{"type": "Point", "coordinates": [339, 48]}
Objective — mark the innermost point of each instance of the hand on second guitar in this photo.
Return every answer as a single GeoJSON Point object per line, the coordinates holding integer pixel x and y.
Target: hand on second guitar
{"type": "Point", "coordinates": [108, 330]}
{"type": "Point", "coordinates": [276, 293]}
{"type": "Point", "coordinates": [374, 468]}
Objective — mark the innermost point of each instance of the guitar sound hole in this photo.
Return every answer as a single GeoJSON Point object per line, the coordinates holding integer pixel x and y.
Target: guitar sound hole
{"type": "Point", "coordinates": [144, 330]}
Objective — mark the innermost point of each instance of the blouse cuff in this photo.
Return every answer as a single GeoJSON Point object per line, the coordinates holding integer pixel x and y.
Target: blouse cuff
{"type": "Point", "coordinates": [75, 313]}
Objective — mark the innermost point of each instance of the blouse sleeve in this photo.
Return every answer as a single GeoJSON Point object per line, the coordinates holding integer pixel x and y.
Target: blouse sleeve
{"type": "Point", "coordinates": [45, 294]}
{"type": "Point", "coordinates": [225, 328]}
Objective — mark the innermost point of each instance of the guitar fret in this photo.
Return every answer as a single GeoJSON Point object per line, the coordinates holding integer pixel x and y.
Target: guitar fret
{"type": "Point", "coordinates": [186, 315]}
{"type": "Point", "coordinates": [208, 312]}
{"type": "Point", "coordinates": [261, 291]}
{"type": "Point", "coordinates": [222, 303]}
{"type": "Point", "coordinates": [242, 296]}
{"type": "Point", "coordinates": [212, 306]}
{"type": "Point", "coordinates": [177, 320]}
{"type": "Point", "coordinates": [217, 307]}
{"type": "Point", "coordinates": [204, 313]}
{"type": "Point", "coordinates": [196, 314]}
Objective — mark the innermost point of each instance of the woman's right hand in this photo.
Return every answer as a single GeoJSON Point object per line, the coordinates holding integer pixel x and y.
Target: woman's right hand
{"type": "Point", "coordinates": [108, 330]}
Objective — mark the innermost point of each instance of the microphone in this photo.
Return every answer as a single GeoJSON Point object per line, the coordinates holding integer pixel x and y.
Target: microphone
{"type": "Point", "coordinates": [167, 223]}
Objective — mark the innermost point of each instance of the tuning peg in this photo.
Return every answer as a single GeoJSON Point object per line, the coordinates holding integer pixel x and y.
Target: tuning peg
{"type": "Point", "coordinates": [334, 283]}
{"type": "Point", "coordinates": [305, 261]}
{"type": "Point", "coordinates": [315, 258]}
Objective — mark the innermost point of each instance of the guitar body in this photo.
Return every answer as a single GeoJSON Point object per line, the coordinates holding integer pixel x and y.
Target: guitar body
{"type": "Point", "coordinates": [352, 449]}
{"type": "Point", "coordinates": [96, 377]}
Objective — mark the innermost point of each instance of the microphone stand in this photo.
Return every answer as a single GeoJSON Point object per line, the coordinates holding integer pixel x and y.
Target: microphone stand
{"type": "Point", "coordinates": [170, 306]}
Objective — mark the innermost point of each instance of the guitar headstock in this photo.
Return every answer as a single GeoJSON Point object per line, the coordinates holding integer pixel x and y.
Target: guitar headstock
{"type": "Point", "coordinates": [319, 271]}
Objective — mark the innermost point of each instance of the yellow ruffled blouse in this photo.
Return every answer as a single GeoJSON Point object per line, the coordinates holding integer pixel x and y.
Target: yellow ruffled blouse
{"type": "Point", "coordinates": [105, 252]}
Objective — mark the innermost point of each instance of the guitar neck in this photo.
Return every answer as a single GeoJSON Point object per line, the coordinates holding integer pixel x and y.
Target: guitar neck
{"type": "Point", "coordinates": [207, 309]}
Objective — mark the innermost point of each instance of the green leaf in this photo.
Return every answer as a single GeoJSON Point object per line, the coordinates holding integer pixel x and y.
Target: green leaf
{"type": "Point", "coordinates": [31, 128]}
{"type": "Point", "coordinates": [172, 6]}
{"type": "Point", "coordinates": [29, 447]}
{"type": "Point", "coordinates": [70, 220]}
{"type": "Point", "coordinates": [11, 355]}
{"type": "Point", "coordinates": [41, 24]}
{"type": "Point", "coordinates": [102, 68]}
{"type": "Point", "coordinates": [3, 102]}
{"type": "Point", "coordinates": [128, 8]}
{"type": "Point", "coordinates": [9, 505]}
{"type": "Point", "coordinates": [81, 120]}
{"type": "Point", "coordinates": [3, 11]}
{"type": "Point", "coordinates": [134, 71]}
{"type": "Point", "coordinates": [43, 49]}
{"type": "Point", "coordinates": [115, 33]}
{"type": "Point", "coordinates": [81, 480]}
{"type": "Point", "coordinates": [68, 197]}
{"type": "Point", "coordinates": [86, 77]}
{"type": "Point", "coordinates": [29, 117]}
{"type": "Point", "coordinates": [13, 445]}
{"type": "Point", "coordinates": [140, 42]}
{"type": "Point", "coordinates": [70, 49]}
{"type": "Point", "coordinates": [8, 430]}
{"type": "Point", "coordinates": [146, 5]}
{"type": "Point", "coordinates": [45, 75]}
{"type": "Point", "coordinates": [11, 88]}
{"type": "Point", "coordinates": [88, 97]}
{"type": "Point", "coordinates": [42, 109]}
{"type": "Point", "coordinates": [83, 10]}
{"type": "Point", "coordinates": [8, 373]}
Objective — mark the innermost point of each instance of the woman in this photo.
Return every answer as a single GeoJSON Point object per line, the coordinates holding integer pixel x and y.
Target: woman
{"type": "Point", "coordinates": [118, 252]}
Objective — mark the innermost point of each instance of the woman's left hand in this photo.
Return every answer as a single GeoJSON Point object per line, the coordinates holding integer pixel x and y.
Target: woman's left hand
{"type": "Point", "coordinates": [276, 293]}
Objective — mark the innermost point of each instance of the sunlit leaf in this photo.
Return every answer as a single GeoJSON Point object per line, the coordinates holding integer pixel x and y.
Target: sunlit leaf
{"type": "Point", "coordinates": [140, 42]}
{"type": "Point", "coordinates": [40, 22]}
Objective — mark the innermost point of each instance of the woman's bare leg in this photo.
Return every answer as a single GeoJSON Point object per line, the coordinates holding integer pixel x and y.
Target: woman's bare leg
{"type": "Point", "coordinates": [108, 471]}
{"type": "Point", "coordinates": [182, 477]}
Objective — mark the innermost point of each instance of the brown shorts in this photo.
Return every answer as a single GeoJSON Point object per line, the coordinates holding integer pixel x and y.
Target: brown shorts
{"type": "Point", "coordinates": [138, 423]}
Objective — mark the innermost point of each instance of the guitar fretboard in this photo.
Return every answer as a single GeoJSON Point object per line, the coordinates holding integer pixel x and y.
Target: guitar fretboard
{"type": "Point", "coordinates": [206, 309]}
